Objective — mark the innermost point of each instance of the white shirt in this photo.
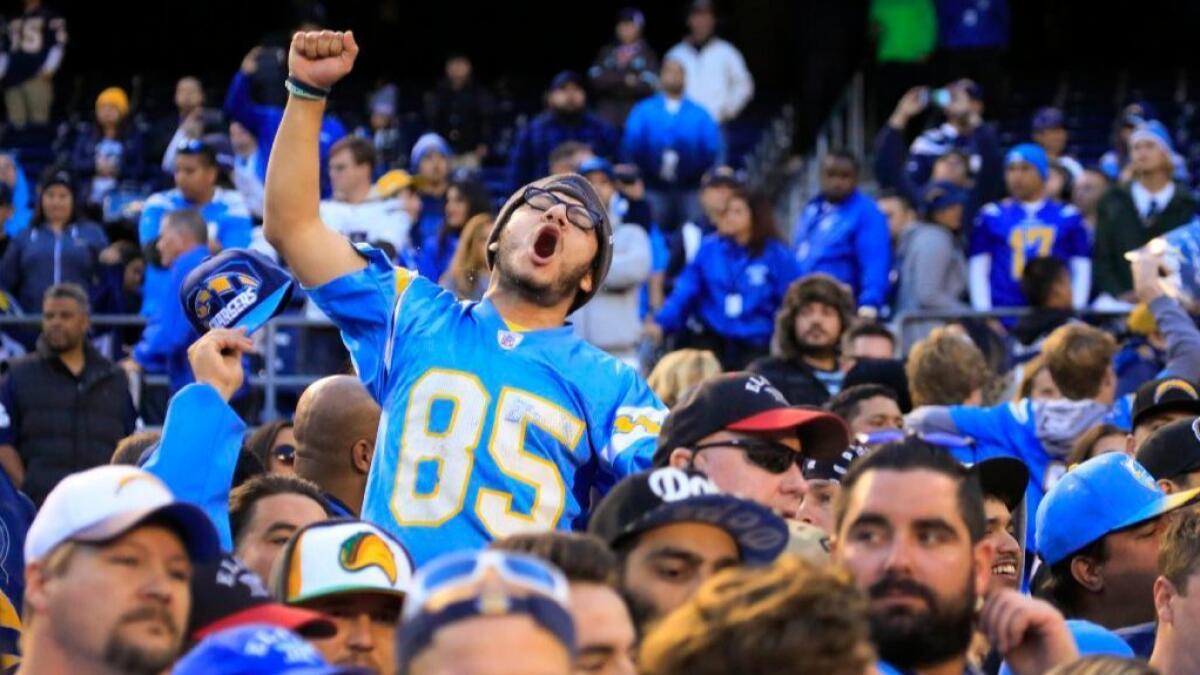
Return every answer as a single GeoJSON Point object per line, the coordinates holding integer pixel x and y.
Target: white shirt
{"type": "Point", "coordinates": [374, 220]}
{"type": "Point", "coordinates": [717, 77]}
{"type": "Point", "coordinates": [1143, 197]}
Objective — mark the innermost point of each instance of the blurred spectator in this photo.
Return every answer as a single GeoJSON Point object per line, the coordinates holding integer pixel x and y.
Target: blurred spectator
{"type": "Point", "coordinates": [841, 232]}
{"type": "Point", "coordinates": [383, 129]}
{"type": "Point", "coordinates": [64, 407]}
{"type": "Point", "coordinates": [567, 156]}
{"type": "Point", "coordinates": [108, 151]}
{"type": "Point", "coordinates": [733, 286]}
{"type": "Point", "coordinates": [611, 320]}
{"type": "Point", "coordinates": [262, 119]}
{"type": "Point", "coordinates": [1100, 439]}
{"type": "Point", "coordinates": [1060, 185]}
{"type": "Point", "coordinates": [626, 69]}
{"type": "Point", "coordinates": [932, 268]}
{"type": "Point", "coordinates": [1046, 284]}
{"type": "Point", "coordinates": [249, 168]}
{"type": "Point", "coordinates": [867, 340]}
{"type": "Point", "coordinates": [716, 187]}
{"type": "Point", "coordinates": [122, 275]}
{"type": "Point", "coordinates": [465, 199]}
{"type": "Point", "coordinates": [461, 111]}
{"type": "Point", "coordinates": [900, 211]}
{"type": "Point", "coordinates": [58, 247]}
{"type": "Point", "coordinates": [274, 445]}
{"type": "Point", "coordinates": [792, 616]}
{"type": "Point", "coordinates": [1131, 215]}
{"type": "Point", "coordinates": [677, 374]}
{"type": "Point", "coordinates": [186, 122]}
{"type": "Point", "coordinates": [197, 175]}
{"type": "Point", "coordinates": [353, 210]}
{"type": "Point", "coordinates": [1114, 163]}
{"type": "Point", "coordinates": [816, 311]}
{"type": "Point", "coordinates": [1014, 231]}
{"type": "Point", "coordinates": [1086, 193]}
{"type": "Point", "coordinates": [36, 43]}
{"type": "Point", "coordinates": [963, 131]}
{"type": "Point", "coordinates": [1175, 597]}
{"type": "Point", "coordinates": [566, 118]}
{"type": "Point", "coordinates": [13, 177]}
{"type": "Point", "coordinates": [265, 511]}
{"type": "Point", "coordinates": [946, 368]}
{"type": "Point", "coordinates": [1049, 127]}
{"type": "Point", "coordinates": [674, 142]}
{"type": "Point", "coordinates": [429, 163]}
{"type": "Point", "coordinates": [337, 422]}
{"type": "Point", "coordinates": [867, 408]}
{"type": "Point", "coordinates": [182, 245]}
{"type": "Point", "coordinates": [716, 73]}
{"type": "Point", "coordinates": [130, 449]}
{"type": "Point", "coordinates": [468, 274]}
{"type": "Point", "coordinates": [6, 212]}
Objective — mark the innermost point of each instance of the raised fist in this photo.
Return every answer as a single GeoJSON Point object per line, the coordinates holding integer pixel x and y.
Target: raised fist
{"type": "Point", "coordinates": [321, 58]}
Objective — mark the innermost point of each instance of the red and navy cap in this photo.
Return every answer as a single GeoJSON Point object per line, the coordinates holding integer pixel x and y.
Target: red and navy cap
{"type": "Point", "coordinates": [748, 403]}
{"type": "Point", "coordinates": [236, 288]}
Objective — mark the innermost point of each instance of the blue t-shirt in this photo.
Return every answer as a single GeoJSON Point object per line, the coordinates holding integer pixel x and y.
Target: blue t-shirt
{"type": "Point", "coordinates": [486, 430]}
{"type": "Point", "coordinates": [1013, 235]}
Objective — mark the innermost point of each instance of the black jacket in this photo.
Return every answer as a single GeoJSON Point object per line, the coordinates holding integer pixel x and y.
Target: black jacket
{"type": "Point", "coordinates": [61, 423]}
{"type": "Point", "coordinates": [796, 379]}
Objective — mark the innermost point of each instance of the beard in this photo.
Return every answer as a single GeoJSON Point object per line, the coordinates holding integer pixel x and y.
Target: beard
{"type": "Point", "coordinates": [530, 289]}
{"type": "Point", "coordinates": [908, 640]}
{"type": "Point", "coordinates": [127, 657]}
{"type": "Point", "coordinates": [642, 611]}
{"type": "Point", "coordinates": [816, 342]}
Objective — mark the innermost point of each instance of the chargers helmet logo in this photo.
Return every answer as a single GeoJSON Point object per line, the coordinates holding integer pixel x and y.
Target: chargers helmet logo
{"type": "Point", "coordinates": [223, 298]}
{"type": "Point", "coordinates": [367, 549]}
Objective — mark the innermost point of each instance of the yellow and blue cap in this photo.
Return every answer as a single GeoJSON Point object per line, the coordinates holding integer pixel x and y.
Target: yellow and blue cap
{"type": "Point", "coordinates": [236, 288]}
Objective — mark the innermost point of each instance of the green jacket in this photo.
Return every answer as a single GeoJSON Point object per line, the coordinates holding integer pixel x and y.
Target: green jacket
{"type": "Point", "coordinates": [1119, 229]}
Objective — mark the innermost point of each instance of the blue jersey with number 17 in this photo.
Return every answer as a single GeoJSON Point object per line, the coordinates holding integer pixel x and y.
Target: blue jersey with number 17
{"type": "Point", "coordinates": [486, 430]}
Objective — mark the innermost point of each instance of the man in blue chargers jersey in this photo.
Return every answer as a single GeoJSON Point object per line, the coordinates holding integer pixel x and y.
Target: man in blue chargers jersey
{"type": "Point", "coordinates": [1027, 225]}
{"type": "Point", "coordinates": [497, 418]}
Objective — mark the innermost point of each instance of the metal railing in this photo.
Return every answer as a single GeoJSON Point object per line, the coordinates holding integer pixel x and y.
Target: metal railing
{"type": "Point", "coordinates": [903, 320]}
{"type": "Point", "coordinates": [269, 379]}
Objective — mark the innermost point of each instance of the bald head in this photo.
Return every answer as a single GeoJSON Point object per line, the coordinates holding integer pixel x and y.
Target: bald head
{"type": "Point", "coordinates": [335, 426]}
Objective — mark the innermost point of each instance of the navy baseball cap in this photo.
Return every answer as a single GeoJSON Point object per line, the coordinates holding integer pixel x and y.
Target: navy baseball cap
{"type": "Point", "coordinates": [942, 194]}
{"type": "Point", "coordinates": [594, 165]}
{"type": "Point", "coordinates": [651, 499]}
{"type": "Point", "coordinates": [236, 288]}
{"type": "Point", "coordinates": [566, 77]}
{"type": "Point", "coordinates": [1005, 478]}
{"type": "Point", "coordinates": [1166, 394]}
{"type": "Point", "coordinates": [1172, 450]}
{"type": "Point", "coordinates": [1104, 494]}
{"type": "Point", "coordinates": [255, 649]}
{"type": "Point", "coordinates": [1048, 117]}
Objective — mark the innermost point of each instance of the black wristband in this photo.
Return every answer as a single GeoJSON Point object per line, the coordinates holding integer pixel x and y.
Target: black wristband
{"type": "Point", "coordinates": [303, 89]}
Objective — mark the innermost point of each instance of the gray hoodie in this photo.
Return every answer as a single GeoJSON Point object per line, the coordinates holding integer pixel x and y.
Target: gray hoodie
{"type": "Point", "coordinates": [611, 319]}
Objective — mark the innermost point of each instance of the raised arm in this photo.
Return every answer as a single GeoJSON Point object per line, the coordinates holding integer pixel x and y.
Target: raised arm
{"type": "Point", "coordinates": [291, 223]}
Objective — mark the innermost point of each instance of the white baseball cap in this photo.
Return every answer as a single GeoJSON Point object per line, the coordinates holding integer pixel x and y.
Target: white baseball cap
{"type": "Point", "coordinates": [332, 557]}
{"type": "Point", "coordinates": [101, 503]}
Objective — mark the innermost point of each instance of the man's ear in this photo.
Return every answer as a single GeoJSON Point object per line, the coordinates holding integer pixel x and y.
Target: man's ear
{"type": "Point", "coordinates": [1166, 485]}
{"type": "Point", "coordinates": [585, 284]}
{"type": "Point", "coordinates": [680, 458]}
{"type": "Point", "coordinates": [1164, 593]}
{"type": "Point", "coordinates": [1088, 573]}
{"type": "Point", "coordinates": [1130, 448]}
{"type": "Point", "coordinates": [361, 454]}
{"type": "Point", "coordinates": [35, 588]}
{"type": "Point", "coordinates": [984, 554]}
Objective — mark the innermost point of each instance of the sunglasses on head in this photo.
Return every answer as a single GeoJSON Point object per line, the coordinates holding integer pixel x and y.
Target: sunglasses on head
{"type": "Point", "coordinates": [938, 438]}
{"type": "Point", "coordinates": [769, 455]}
{"type": "Point", "coordinates": [544, 200]}
{"type": "Point", "coordinates": [285, 453]}
{"type": "Point", "coordinates": [458, 570]}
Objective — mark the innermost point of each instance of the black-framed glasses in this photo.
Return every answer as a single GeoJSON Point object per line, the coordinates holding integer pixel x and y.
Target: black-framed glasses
{"type": "Point", "coordinates": [768, 455]}
{"type": "Point", "coordinates": [544, 200]}
{"type": "Point", "coordinates": [285, 453]}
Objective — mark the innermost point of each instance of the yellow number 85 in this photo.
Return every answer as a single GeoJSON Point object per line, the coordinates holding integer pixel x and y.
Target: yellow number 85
{"type": "Point", "coordinates": [453, 450]}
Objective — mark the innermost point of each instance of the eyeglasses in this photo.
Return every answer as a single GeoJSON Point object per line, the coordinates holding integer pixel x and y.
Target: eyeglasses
{"type": "Point", "coordinates": [468, 567]}
{"type": "Point", "coordinates": [285, 453]}
{"type": "Point", "coordinates": [192, 146]}
{"type": "Point", "coordinates": [769, 455]}
{"type": "Point", "coordinates": [938, 438]}
{"type": "Point", "coordinates": [544, 200]}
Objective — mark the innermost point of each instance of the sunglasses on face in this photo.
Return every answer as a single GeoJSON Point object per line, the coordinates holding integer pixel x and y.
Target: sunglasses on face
{"type": "Point", "coordinates": [768, 455]}
{"type": "Point", "coordinates": [544, 200]}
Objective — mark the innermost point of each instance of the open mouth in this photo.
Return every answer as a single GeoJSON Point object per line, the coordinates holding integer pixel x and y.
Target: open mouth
{"type": "Point", "coordinates": [545, 244]}
{"type": "Point", "coordinates": [1004, 569]}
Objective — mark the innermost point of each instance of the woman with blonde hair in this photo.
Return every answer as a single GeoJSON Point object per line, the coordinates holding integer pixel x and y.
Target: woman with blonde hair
{"type": "Point", "coordinates": [468, 274]}
{"type": "Point", "coordinates": [679, 372]}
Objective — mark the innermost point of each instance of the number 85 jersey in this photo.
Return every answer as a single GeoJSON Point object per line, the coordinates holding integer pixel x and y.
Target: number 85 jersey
{"type": "Point", "coordinates": [486, 431]}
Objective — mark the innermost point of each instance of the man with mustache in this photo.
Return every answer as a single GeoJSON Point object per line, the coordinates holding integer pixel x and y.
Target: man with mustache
{"type": "Point", "coordinates": [108, 565]}
{"type": "Point", "coordinates": [910, 527]}
{"type": "Point", "coordinates": [816, 311]}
